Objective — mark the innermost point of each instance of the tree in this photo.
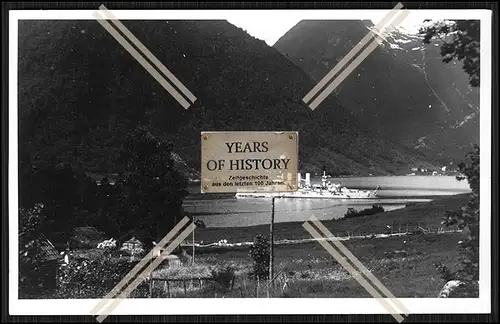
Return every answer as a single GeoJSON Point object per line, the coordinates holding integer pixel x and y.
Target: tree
{"type": "Point", "coordinates": [460, 41]}
{"type": "Point", "coordinates": [56, 187]}
{"type": "Point", "coordinates": [31, 222]}
{"type": "Point", "coordinates": [151, 193]}
{"type": "Point", "coordinates": [259, 252]}
{"type": "Point", "coordinates": [467, 219]}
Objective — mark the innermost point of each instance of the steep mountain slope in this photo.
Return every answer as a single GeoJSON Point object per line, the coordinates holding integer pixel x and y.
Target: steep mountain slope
{"type": "Point", "coordinates": [403, 89]}
{"type": "Point", "coordinates": [80, 92]}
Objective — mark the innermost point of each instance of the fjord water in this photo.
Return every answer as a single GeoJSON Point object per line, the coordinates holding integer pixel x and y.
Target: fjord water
{"type": "Point", "coordinates": [395, 193]}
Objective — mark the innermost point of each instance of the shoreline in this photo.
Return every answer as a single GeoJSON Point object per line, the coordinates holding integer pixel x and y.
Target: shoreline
{"type": "Point", "coordinates": [427, 215]}
{"type": "Point", "coordinates": [212, 196]}
{"type": "Point", "coordinates": [236, 245]}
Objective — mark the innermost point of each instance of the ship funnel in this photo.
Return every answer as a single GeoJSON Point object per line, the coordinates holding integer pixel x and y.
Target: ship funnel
{"type": "Point", "coordinates": [308, 179]}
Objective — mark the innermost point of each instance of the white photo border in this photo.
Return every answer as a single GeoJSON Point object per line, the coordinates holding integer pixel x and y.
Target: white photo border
{"type": "Point", "coordinates": [230, 306]}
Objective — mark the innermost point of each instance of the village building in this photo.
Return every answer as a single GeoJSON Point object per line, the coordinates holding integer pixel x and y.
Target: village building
{"type": "Point", "coordinates": [133, 247]}
{"type": "Point", "coordinates": [44, 277]}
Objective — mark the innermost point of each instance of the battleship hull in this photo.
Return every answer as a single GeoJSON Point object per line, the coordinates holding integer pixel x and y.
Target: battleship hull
{"type": "Point", "coordinates": [326, 190]}
{"type": "Point", "coordinates": [311, 195]}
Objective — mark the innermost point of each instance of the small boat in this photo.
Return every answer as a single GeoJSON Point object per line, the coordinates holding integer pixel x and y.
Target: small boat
{"type": "Point", "coordinates": [325, 190]}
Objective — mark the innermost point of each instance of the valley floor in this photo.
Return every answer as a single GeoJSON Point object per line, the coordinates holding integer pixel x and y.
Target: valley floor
{"type": "Point", "coordinates": [404, 264]}
{"type": "Point", "coordinates": [427, 216]}
{"type": "Point", "coordinates": [307, 270]}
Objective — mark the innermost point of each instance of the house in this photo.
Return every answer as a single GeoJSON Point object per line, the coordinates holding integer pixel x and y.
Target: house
{"type": "Point", "coordinates": [133, 247]}
{"type": "Point", "coordinates": [44, 276]}
{"type": "Point", "coordinates": [132, 244]}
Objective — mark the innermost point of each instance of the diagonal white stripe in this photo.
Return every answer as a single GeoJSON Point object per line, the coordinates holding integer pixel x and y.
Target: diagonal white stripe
{"type": "Point", "coordinates": [116, 301]}
{"type": "Point", "coordinates": [164, 83]}
{"type": "Point", "coordinates": [359, 265]}
{"type": "Point", "coordinates": [355, 274]}
{"type": "Point", "coordinates": [354, 64]}
{"type": "Point", "coordinates": [327, 78]}
{"type": "Point", "coordinates": [141, 264]}
{"type": "Point", "coordinates": [170, 76]}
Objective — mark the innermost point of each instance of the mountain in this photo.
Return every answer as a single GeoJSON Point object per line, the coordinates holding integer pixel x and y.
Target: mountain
{"type": "Point", "coordinates": [403, 90]}
{"type": "Point", "coordinates": [80, 92]}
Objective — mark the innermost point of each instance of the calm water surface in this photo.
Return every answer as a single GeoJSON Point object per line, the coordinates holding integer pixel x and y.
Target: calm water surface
{"type": "Point", "coordinates": [395, 193]}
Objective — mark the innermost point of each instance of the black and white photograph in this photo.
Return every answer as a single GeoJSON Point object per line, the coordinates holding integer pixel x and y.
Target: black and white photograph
{"type": "Point", "coordinates": [236, 161]}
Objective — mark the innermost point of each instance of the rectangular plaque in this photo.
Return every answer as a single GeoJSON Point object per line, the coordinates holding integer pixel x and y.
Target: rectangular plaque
{"type": "Point", "coordinates": [249, 161]}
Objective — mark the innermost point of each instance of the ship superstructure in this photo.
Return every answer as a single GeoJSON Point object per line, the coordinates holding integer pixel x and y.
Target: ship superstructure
{"type": "Point", "coordinates": [324, 190]}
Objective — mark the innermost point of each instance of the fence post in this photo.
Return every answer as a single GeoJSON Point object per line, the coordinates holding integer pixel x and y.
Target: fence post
{"type": "Point", "coordinates": [258, 286]}
{"type": "Point", "coordinates": [168, 287]}
{"type": "Point", "coordinates": [184, 283]}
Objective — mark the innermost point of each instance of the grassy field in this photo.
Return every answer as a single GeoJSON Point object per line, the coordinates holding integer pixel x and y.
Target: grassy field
{"type": "Point", "coordinates": [310, 271]}
{"type": "Point", "coordinates": [404, 264]}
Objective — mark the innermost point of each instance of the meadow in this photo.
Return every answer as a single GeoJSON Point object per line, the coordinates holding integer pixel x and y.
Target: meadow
{"type": "Point", "coordinates": [405, 262]}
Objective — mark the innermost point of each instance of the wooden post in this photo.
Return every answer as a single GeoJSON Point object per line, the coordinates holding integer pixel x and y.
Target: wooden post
{"type": "Point", "coordinates": [184, 283]}
{"type": "Point", "coordinates": [151, 283]}
{"type": "Point", "coordinates": [193, 243]}
{"type": "Point", "coordinates": [271, 248]}
{"type": "Point", "coordinates": [258, 286]}
{"type": "Point", "coordinates": [168, 287]}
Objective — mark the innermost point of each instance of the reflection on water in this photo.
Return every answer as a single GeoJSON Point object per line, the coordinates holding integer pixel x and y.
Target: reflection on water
{"type": "Point", "coordinates": [396, 193]}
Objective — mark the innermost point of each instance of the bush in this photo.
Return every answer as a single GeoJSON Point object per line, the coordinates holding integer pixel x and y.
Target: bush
{"type": "Point", "coordinates": [351, 212]}
{"type": "Point", "coordinates": [444, 271]}
{"type": "Point", "coordinates": [259, 252]}
{"type": "Point", "coordinates": [467, 219]}
{"type": "Point", "coordinates": [92, 278]}
{"type": "Point", "coordinates": [199, 223]}
{"type": "Point", "coordinates": [35, 275]}
{"type": "Point", "coordinates": [223, 276]}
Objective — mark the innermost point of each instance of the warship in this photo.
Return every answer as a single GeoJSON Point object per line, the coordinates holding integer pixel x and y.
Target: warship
{"type": "Point", "coordinates": [324, 190]}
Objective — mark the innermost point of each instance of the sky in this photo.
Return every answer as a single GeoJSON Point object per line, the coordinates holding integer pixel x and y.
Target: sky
{"type": "Point", "coordinates": [270, 25]}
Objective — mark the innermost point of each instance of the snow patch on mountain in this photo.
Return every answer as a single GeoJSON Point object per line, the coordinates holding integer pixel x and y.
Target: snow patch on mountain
{"type": "Point", "coordinates": [394, 38]}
